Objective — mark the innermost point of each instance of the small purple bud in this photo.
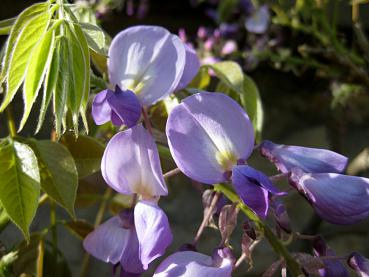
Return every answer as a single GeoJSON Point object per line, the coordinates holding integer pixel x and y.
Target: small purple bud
{"type": "Point", "coordinates": [258, 22]}
{"type": "Point", "coordinates": [182, 34]}
{"type": "Point", "coordinates": [228, 30]}
{"type": "Point", "coordinates": [202, 33]}
{"type": "Point", "coordinates": [227, 221]}
{"type": "Point", "coordinates": [359, 263]}
{"type": "Point", "coordinates": [209, 43]}
{"type": "Point", "coordinates": [229, 47]}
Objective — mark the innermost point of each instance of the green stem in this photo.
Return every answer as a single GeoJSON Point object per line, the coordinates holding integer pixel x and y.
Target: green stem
{"type": "Point", "coordinates": [11, 121]}
{"type": "Point", "coordinates": [98, 219]}
{"type": "Point", "coordinates": [276, 244]}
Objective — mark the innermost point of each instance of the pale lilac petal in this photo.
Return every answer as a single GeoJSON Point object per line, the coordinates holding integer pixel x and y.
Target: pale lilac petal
{"type": "Point", "coordinates": [131, 164]}
{"type": "Point", "coordinates": [258, 22]}
{"type": "Point", "coordinates": [339, 199]}
{"type": "Point", "coordinates": [207, 133]}
{"type": "Point", "coordinates": [153, 231]}
{"type": "Point", "coordinates": [191, 68]}
{"type": "Point", "coordinates": [108, 241]}
{"type": "Point", "coordinates": [359, 263]}
{"type": "Point", "coordinates": [126, 107]}
{"type": "Point", "coordinates": [314, 160]}
{"type": "Point", "coordinates": [130, 260]}
{"type": "Point", "coordinates": [101, 110]}
{"type": "Point", "coordinates": [147, 60]}
{"type": "Point", "coordinates": [332, 267]}
{"type": "Point", "coordinates": [251, 193]}
{"type": "Point", "coordinates": [257, 176]}
{"type": "Point", "coordinates": [190, 264]}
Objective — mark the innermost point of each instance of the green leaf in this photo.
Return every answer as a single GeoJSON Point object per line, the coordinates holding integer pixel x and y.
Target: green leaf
{"type": "Point", "coordinates": [79, 228]}
{"type": "Point", "coordinates": [250, 99]}
{"type": "Point", "coordinates": [48, 87]}
{"type": "Point", "coordinates": [230, 73]}
{"type": "Point", "coordinates": [59, 177]}
{"type": "Point", "coordinates": [20, 23]}
{"type": "Point", "coordinates": [19, 183]}
{"type": "Point", "coordinates": [86, 151]}
{"type": "Point", "coordinates": [6, 25]}
{"type": "Point", "coordinates": [23, 48]}
{"type": "Point", "coordinates": [201, 80]}
{"type": "Point", "coordinates": [95, 37]}
{"type": "Point", "coordinates": [38, 64]}
{"type": "Point", "coordinates": [4, 219]}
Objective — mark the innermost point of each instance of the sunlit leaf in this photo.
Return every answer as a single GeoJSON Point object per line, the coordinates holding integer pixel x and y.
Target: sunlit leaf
{"type": "Point", "coordinates": [25, 43]}
{"type": "Point", "coordinates": [36, 70]}
{"type": "Point", "coordinates": [95, 37]}
{"type": "Point", "coordinates": [59, 178]}
{"type": "Point", "coordinates": [19, 183]}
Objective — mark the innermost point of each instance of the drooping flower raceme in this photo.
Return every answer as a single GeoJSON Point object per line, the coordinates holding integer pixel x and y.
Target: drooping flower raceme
{"type": "Point", "coordinates": [210, 136]}
{"type": "Point", "coordinates": [131, 165]}
{"type": "Point", "coordinates": [337, 198]}
{"type": "Point", "coordinates": [149, 61]}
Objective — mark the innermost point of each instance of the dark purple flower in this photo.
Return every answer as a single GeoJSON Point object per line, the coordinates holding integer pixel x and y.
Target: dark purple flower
{"type": "Point", "coordinates": [286, 157]}
{"type": "Point", "coordinates": [339, 199]}
{"type": "Point", "coordinates": [149, 61]}
{"type": "Point", "coordinates": [258, 21]}
{"type": "Point", "coordinates": [207, 134]}
{"type": "Point", "coordinates": [120, 107]}
{"type": "Point", "coordinates": [332, 267]}
{"type": "Point", "coordinates": [281, 215]}
{"type": "Point", "coordinates": [359, 263]}
{"type": "Point", "coordinates": [190, 264]}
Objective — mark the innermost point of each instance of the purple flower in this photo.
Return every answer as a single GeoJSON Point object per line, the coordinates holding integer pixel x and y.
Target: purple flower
{"type": "Point", "coordinates": [149, 61]}
{"type": "Point", "coordinates": [359, 263]}
{"type": "Point", "coordinates": [258, 21]}
{"type": "Point", "coordinates": [229, 47]}
{"type": "Point", "coordinates": [115, 241]}
{"type": "Point", "coordinates": [120, 107]}
{"type": "Point", "coordinates": [131, 165]}
{"type": "Point", "coordinates": [339, 199]}
{"type": "Point", "coordinates": [286, 157]}
{"type": "Point", "coordinates": [332, 267]}
{"type": "Point", "coordinates": [208, 133]}
{"type": "Point", "coordinates": [190, 263]}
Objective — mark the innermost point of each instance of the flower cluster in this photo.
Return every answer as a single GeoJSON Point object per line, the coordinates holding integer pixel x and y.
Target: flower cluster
{"type": "Point", "coordinates": [210, 138]}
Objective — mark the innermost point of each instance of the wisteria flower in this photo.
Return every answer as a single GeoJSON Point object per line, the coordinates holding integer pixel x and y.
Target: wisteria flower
{"type": "Point", "coordinates": [337, 198]}
{"type": "Point", "coordinates": [258, 21]}
{"type": "Point", "coordinates": [359, 263]}
{"type": "Point", "coordinates": [315, 160]}
{"type": "Point", "coordinates": [209, 135]}
{"type": "Point", "coordinates": [131, 165]}
{"type": "Point", "coordinates": [147, 62]}
{"type": "Point", "coordinates": [190, 263]}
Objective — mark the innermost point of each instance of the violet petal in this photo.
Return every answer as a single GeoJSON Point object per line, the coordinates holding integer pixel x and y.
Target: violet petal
{"type": "Point", "coordinates": [339, 199]}
{"type": "Point", "coordinates": [153, 231]}
{"type": "Point", "coordinates": [359, 263]}
{"type": "Point", "coordinates": [314, 160]}
{"type": "Point", "coordinates": [190, 264]}
{"type": "Point", "coordinates": [251, 193]}
{"type": "Point", "coordinates": [207, 133]}
{"type": "Point", "coordinates": [147, 60]}
{"type": "Point", "coordinates": [258, 176]}
{"type": "Point", "coordinates": [131, 164]}
{"type": "Point", "coordinates": [101, 110]}
{"type": "Point", "coordinates": [191, 68]}
{"type": "Point", "coordinates": [258, 22]}
{"type": "Point", "coordinates": [125, 106]}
